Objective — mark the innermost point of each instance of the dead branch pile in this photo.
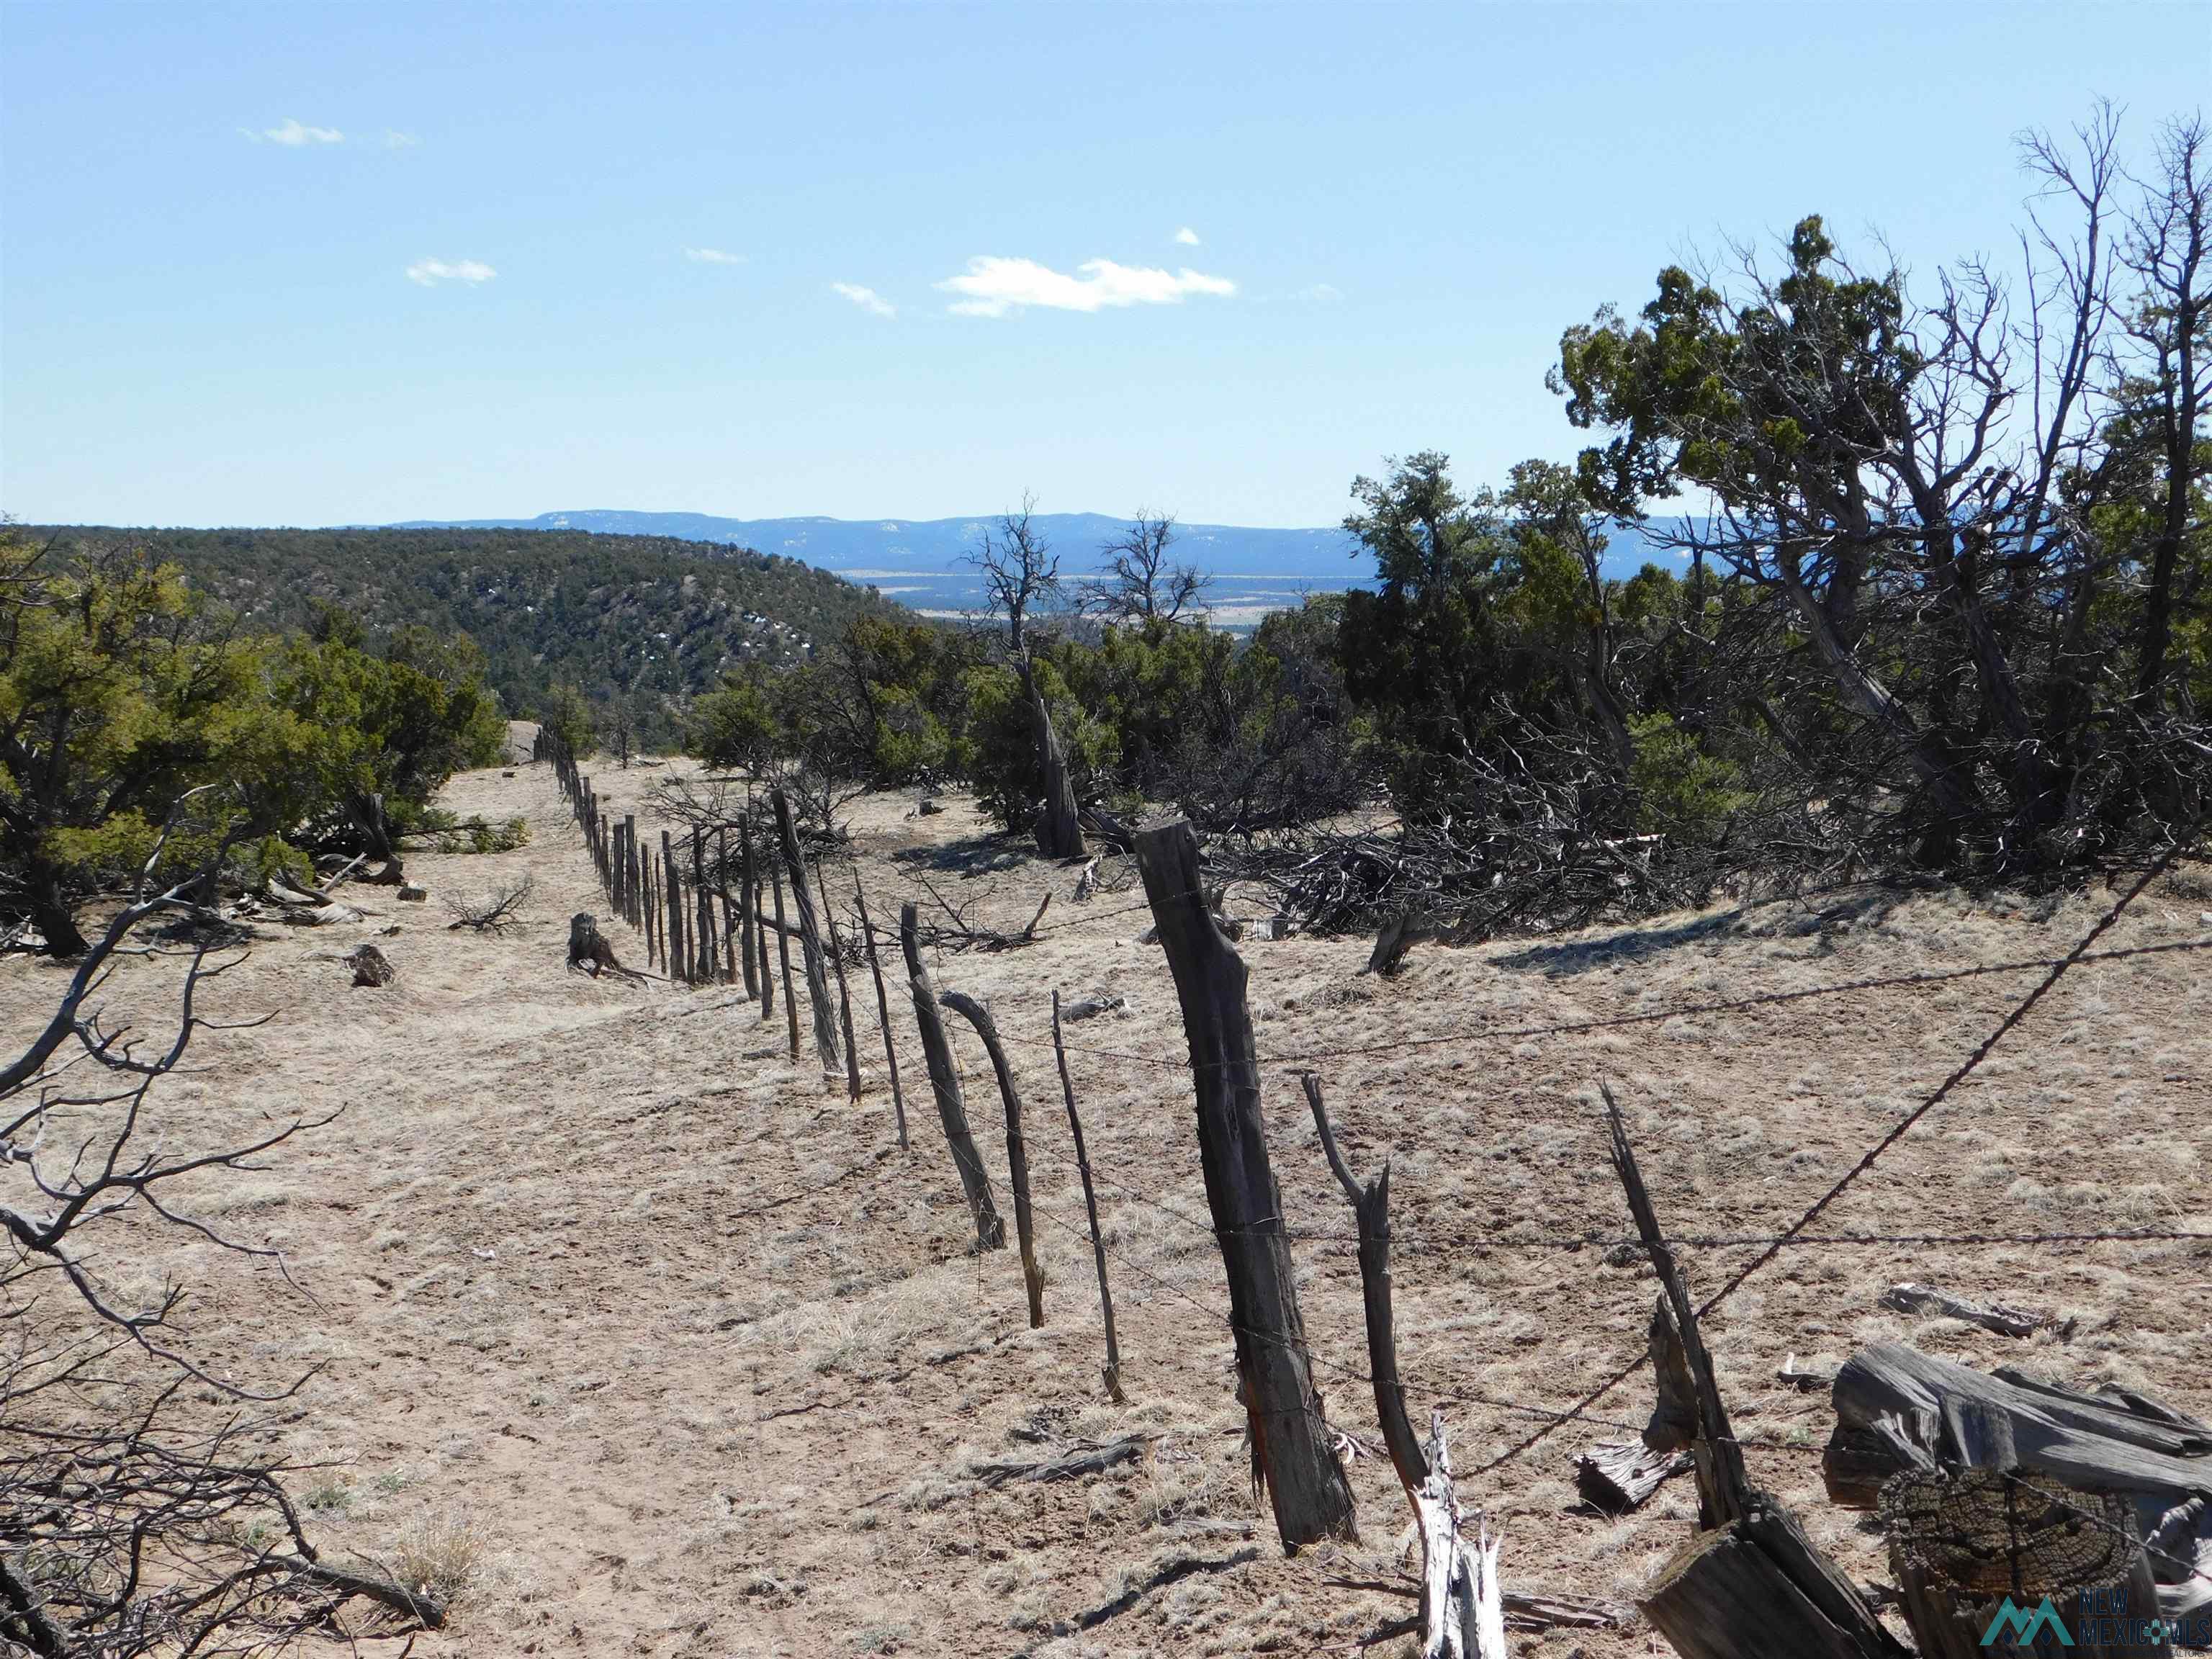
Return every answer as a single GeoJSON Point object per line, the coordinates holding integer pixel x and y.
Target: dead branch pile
{"type": "Point", "coordinates": [496, 912]}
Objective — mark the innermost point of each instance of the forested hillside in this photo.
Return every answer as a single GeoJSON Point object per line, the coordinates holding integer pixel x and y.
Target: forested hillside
{"type": "Point", "coordinates": [633, 622]}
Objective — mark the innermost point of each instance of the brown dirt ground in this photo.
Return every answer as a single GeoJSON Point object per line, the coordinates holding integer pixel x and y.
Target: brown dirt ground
{"type": "Point", "coordinates": [612, 1332]}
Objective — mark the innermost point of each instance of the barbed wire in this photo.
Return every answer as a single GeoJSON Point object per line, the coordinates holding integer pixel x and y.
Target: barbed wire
{"type": "Point", "coordinates": [2018, 1012]}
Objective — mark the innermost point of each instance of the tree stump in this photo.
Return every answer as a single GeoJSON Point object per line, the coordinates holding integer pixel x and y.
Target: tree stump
{"type": "Point", "coordinates": [371, 967]}
{"type": "Point", "coordinates": [1980, 1554]}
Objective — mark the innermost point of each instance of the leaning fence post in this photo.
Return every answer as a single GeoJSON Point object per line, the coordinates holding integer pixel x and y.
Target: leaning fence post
{"type": "Point", "coordinates": [844, 996]}
{"type": "Point", "coordinates": [945, 1083]}
{"type": "Point", "coordinates": [883, 1008]}
{"type": "Point", "coordinates": [1017, 1154]}
{"type": "Point", "coordinates": [1750, 1582]}
{"type": "Point", "coordinates": [1293, 1451]}
{"type": "Point", "coordinates": [809, 936]}
{"type": "Point", "coordinates": [749, 902]}
{"type": "Point", "coordinates": [783, 953]}
{"type": "Point", "coordinates": [1113, 1371]}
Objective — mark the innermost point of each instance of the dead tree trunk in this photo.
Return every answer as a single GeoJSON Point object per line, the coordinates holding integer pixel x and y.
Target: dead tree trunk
{"type": "Point", "coordinates": [1292, 1451]}
{"type": "Point", "coordinates": [944, 1081]}
{"type": "Point", "coordinates": [1113, 1371]}
{"type": "Point", "coordinates": [1018, 1155]}
{"type": "Point", "coordinates": [883, 1009]}
{"type": "Point", "coordinates": [810, 937]}
{"type": "Point", "coordinates": [749, 902]}
{"type": "Point", "coordinates": [783, 955]}
{"type": "Point", "coordinates": [1059, 827]}
{"type": "Point", "coordinates": [844, 994]}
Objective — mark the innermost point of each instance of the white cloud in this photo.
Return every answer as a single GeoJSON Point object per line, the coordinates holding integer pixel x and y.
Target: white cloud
{"type": "Point", "coordinates": [867, 298]}
{"type": "Point", "coordinates": [430, 272]}
{"type": "Point", "coordinates": [294, 135]}
{"type": "Point", "coordinates": [1186, 237]}
{"type": "Point", "coordinates": [395, 139]}
{"type": "Point", "coordinates": [992, 287]}
{"type": "Point", "coordinates": [1325, 294]}
{"type": "Point", "coordinates": [712, 256]}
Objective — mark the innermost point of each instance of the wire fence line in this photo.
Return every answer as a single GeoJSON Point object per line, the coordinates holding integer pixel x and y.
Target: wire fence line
{"type": "Point", "coordinates": [1550, 1417]}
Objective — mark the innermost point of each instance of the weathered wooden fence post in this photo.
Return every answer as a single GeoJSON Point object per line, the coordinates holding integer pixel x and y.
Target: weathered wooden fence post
{"type": "Point", "coordinates": [730, 973]}
{"type": "Point", "coordinates": [944, 1082]}
{"type": "Point", "coordinates": [1017, 1154]}
{"type": "Point", "coordinates": [783, 954]}
{"type": "Point", "coordinates": [1751, 1583]}
{"type": "Point", "coordinates": [883, 1008]}
{"type": "Point", "coordinates": [1112, 1374]}
{"type": "Point", "coordinates": [809, 935]}
{"type": "Point", "coordinates": [844, 995]}
{"type": "Point", "coordinates": [705, 899]}
{"type": "Point", "coordinates": [1292, 1449]}
{"type": "Point", "coordinates": [748, 903]}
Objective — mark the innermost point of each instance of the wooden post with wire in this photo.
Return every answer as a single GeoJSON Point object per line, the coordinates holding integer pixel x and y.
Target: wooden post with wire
{"type": "Point", "coordinates": [945, 1083]}
{"type": "Point", "coordinates": [1112, 1373]}
{"type": "Point", "coordinates": [883, 1008]}
{"type": "Point", "coordinates": [1293, 1449]}
{"type": "Point", "coordinates": [1018, 1155]}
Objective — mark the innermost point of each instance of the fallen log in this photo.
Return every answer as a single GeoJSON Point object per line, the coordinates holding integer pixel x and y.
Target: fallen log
{"type": "Point", "coordinates": [1088, 1459]}
{"type": "Point", "coordinates": [1618, 1475]}
{"type": "Point", "coordinates": [1897, 1408]}
{"type": "Point", "coordinates": [2004, 1320]}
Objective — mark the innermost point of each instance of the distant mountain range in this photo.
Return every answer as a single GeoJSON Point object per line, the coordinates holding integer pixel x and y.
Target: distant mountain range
{"type": "Point", "coordinates": [920, 561]}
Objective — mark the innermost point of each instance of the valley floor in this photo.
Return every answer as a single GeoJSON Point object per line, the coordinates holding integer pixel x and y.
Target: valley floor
{"type": "Point", "coordinates": [625, 1322]}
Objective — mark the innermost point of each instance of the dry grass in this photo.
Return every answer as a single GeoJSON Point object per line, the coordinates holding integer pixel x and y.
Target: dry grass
{"type": "Point", "coordinates": [577, 1375]}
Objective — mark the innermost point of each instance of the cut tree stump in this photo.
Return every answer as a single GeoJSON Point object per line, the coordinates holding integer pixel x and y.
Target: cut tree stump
{"type": "Point", "coordinates": [1293, 1452]}
{"type": "Point", "coordinates": [944, 1082]}
{"type": "Point", "coordinates": [1618, 1475]}
{"type": "Point", "coordinates": [371, 967]}
{"type": "Point", "coordinates": [1977, 1553]}
{"type": "Point", "coordinates": [589, 951]}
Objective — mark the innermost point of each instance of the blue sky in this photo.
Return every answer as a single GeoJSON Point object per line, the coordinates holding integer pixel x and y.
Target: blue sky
{"type": "Point", "coordinates": [341, 263]}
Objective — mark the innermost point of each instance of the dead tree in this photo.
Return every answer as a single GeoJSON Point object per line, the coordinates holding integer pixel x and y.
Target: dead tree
{"type": "Point", "coordinates": [883, 1009]}
{"type": "Point", "coordinates": [844, 993]}
{"type": "Point", "coordinates": [1018, 1157]}
{"type": "Point", "coordinates": [1019, 572]}
{"type": "Point", "coordinates": [1751, 1585]}
{"type": "Point", "coordinates": [810, 937]}
{"type": "Point", "coordinates": [1112, 1374]}
{"type": "Point", "coordinates": [944, 1081]}
{"type": "Point", "coordinates": [134, 1527]}
{"type": "Point", "coordinates": [1293, 1453]}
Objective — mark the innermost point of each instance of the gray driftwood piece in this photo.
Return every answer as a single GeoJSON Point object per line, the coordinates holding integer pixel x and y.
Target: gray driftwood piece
{"type": "Point", "coordinates": [1018, 1157]}
{"type": "Point", "coordinates": [810, 939]}
{"type": "Point", "coordinates": [1618, 1475]}
{"type": "Point", "coordinates": [1293, 1452]}
{"type": "Point", "coordinates": [1463, 1615]}
{"type": "Point", "coordinates": [1997, 1317]}
{"type": "Point", "coordinates": [944, 1082]}
{"type": "Point", "coordinates": [1897, 1408]}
